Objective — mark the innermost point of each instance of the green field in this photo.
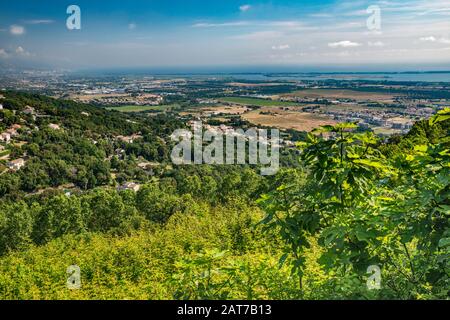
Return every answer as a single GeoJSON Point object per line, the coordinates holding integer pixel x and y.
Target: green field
{"type": "Point", "coordinates": [133, 108]}
{"type": "Point", "coordinates": [385, 131]}
{"type": "Point", "coordinates": [4, 153]}
{"type": "Point", "coordinates": [256, 102]}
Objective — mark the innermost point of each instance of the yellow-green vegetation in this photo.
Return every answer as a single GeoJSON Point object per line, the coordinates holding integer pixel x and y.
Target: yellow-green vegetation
{"type": "Point", "coordinates": [4, 153]}
{"type": "Point", "coordinates": [209, 253]}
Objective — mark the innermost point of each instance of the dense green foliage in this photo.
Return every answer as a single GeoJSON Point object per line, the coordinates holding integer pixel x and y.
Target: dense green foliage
{"type": "Point", "coordinates": [220, 232]}
{"type": "Point", "coordinates": [368, 209]}
{"type": "Point", "coordinates": [86, 151]}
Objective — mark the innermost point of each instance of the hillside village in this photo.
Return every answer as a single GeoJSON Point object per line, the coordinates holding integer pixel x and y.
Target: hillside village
{"type": "Point", "coordinates": [23, 126]}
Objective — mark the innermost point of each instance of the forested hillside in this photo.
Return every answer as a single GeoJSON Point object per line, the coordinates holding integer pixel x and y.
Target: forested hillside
{"type": "Point", "coordinates": [351, 201]}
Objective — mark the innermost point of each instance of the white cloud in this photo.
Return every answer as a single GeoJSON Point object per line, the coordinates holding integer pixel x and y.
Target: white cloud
{"type": "Point", "coordinates": [279, 24]}
{"type": "Point", "coordinates": [376, 44]}
{"type": "Point", "coordinates": [442, 11]}
{"type": "Point", "coordinates": [430, 39]}
{"type": "Point", "coordinates": [344, 44]}
{"type": "Point", "coordinates": [132, 26]}
{"type": "Point", "coordinates": [434, 39]}
{"type": "Point", "coordinates": [288, 24]}
{"type": "Point", "coordinates": [444, 40]}
{"type": "Point", "coordinates": [245, 7]}
{"type": "Point", "coordinates": [20, 51]}
{"type": "Point", "coordinates": [3, 54]}
{"type": "Point", "coordinates": [17, 30]}
{"type": "Point", "coordinates": [281, 47]}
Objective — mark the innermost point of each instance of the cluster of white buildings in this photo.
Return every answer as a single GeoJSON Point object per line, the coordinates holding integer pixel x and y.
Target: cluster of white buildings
{"type": "Point", "coordinates": [10, 133]}
{"type": "Point", "coordinates": [16, 165]}
{"type": "Point", "coordinates": [129, 139]}
{"type": "Point", "coordinates": [129, 186]}
{"type": "Point", "coordinates": [54, 126]}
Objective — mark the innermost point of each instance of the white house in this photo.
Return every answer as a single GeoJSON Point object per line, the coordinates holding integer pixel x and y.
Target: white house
{"type": "Point", "coordinates": [54, 126]}
{"type": "Point", "coordinates": [16, 164]}
{"type": "Point", "coordinates": [12, 132]}
{"type": "Point", "coordinates": [130, 186]}
{"type": "Point", "coordinates": [5, 137]}
{"type": "Point", "coordinates": [29, 110]}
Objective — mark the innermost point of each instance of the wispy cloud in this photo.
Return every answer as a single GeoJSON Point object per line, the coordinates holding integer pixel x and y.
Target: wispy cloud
{"type": "Point", "coordinates": [37, 21]}
{"type": "Point", "coordinates": [16, 30]}
{"type": "Point", "coordinates": [430, 38]}
{"type": "Point", "coordinates": [245, 7]}
{"type": "Point", "coordinates": [344, 44]}
{"type": "Point", "coordinates": [412, 30]}
{"type": "Point", "coordinates": [281, 47]}
{"type": "Point", "coordinates": [3, 54]}
{"type": "Point", "coordinates": [434, 39]}
{"type": "Point", "coordinates": [288, 24]}
{"type": "Point", "coordinates": [20, 51]}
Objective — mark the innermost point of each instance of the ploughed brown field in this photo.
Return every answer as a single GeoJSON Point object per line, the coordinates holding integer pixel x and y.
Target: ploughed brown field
{"type": "Point", "coordinates": [216, 110]}
{"type": "Point", "coordinates": [286, 119]}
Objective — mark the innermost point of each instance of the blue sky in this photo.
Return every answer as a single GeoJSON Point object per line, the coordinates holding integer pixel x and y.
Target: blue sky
{"type": "Point", "coordinates": [175, 33]}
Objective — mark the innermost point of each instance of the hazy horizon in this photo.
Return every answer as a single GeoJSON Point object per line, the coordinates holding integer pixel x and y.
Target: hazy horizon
{"type": "Point", "coordinates": [329, 34]}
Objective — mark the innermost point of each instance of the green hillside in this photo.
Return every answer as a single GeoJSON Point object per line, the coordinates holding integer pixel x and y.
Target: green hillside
{"type": "Point", "coordinates": [349, 203]}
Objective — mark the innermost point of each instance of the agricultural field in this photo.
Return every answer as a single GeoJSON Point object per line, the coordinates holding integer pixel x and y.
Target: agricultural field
{"type": "Point", "coordinates": [286, 119]}
{"type": "Point", "coordinates": [230, 110]}
{"type": "Point", "coordinates": [385, 131]}
{"type": "Point", "coordinates": [132, 108]}
{"type": "Point", "coordinates": [217, 110]}
{"type": "Point", "coordinates": [342, 94]}
{"type": "Point", "coordinates": [256, 102]}
{"type": "Point", "coordinates": [97, 96]}
{"type": "Point", "coordinates": [347, 107]}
